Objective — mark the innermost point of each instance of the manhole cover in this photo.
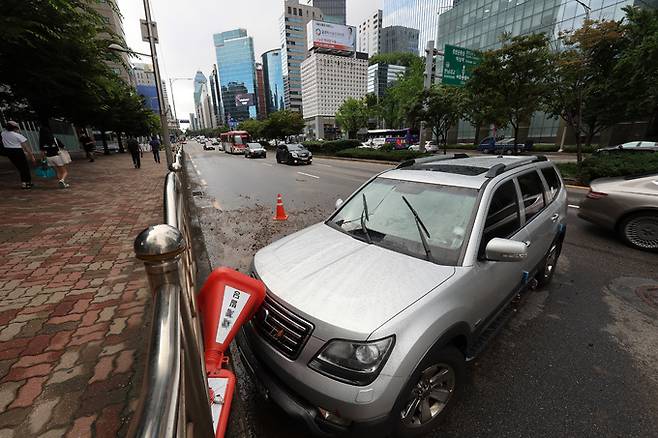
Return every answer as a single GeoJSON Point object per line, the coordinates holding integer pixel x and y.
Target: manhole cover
{"type": "Point", "coordinates": [648, 294]}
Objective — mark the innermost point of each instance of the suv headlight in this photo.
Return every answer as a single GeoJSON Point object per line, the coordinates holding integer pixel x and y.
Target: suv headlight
{"type": "Point", "coordinates": [353, 362]}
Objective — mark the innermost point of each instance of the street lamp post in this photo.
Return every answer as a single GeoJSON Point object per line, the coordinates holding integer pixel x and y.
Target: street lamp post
{"type": "Point", "coordinates": [171, 91]}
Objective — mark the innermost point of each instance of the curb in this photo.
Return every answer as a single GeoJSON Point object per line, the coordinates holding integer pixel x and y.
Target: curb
{"type": "Point", "coordinates": [571, 186]}
{"type": "Point", "coordinates": [361, 160]}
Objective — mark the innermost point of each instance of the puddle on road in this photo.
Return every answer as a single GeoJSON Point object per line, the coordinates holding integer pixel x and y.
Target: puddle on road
{"type": "Point", "coordinates": [630, 301]}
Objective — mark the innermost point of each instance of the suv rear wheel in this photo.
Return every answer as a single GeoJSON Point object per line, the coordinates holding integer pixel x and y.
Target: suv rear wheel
{"type": "Point", "coordinates": [546, 272]}
{"type": "Point", "coordinates": [431, 390]}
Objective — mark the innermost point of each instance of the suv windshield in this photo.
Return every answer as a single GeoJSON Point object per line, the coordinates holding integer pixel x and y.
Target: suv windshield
{"type": "Point", "coordinates": [296, 147]}
{"type": "Point", "coordinates": [254, 145]}
{"type": "Point", "coordinates": [389, 223]}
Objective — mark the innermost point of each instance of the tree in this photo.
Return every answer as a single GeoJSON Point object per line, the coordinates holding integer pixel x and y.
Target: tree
{"type": "Point", "coordinates": [282, 124]}
{"type": "Point", "coordinates": [402, 103]}
{"type": "Point", "coordinates": [397, 58]}
{"type": "Point", "coordinates": [638, 65]}
{"type": "Point", "coordinates": [352, 116]}
{"type": "Point", "coordinates": [584, 89]}
{"type": "Point", "coordinates": [53, 57]}
{"type": "Point", "coordinates": [442, 109]}
{"type": "Point", "coordinates": [253, 127]}
{"type": "Point", "coordinates": [512, 79]}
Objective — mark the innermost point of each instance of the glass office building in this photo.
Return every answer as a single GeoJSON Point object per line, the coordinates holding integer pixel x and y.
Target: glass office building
{"type": "Point", "coordinates": [479, 24]}
{"type": "Point", "coordinates": [334, 10]}
{"type": "Point", "coordinates": [416, 14]}
{"type": "Point", "coordinates": [237, 74]}
{"type": "Point", "coordinates": [273, 77]}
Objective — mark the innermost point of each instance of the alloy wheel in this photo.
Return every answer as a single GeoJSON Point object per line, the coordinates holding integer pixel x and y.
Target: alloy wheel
{"type": "Point", "coordinates": [642, 232]}
{"type": "Point", "coordinates": [430, 396]}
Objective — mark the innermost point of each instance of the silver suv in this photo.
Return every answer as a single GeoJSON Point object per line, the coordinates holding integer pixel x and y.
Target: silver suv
{"type": "Point", "coordinates": [371, 315]}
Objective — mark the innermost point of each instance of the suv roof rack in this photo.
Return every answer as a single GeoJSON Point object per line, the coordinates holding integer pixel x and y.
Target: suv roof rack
{"type": "Point", "coordinates": [501, 168]}
{"type": "Point", "coordinates": [431, 159]}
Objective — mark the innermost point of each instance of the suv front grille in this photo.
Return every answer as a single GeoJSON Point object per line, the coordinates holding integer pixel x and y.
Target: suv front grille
{"type": "Point", "coordinates": [281, 328]}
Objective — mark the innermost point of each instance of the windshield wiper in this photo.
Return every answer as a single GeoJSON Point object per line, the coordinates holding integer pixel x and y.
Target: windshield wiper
{"type": "Point", "coordinates": [365, 217]}
{"type": "Point", "coordinates": [422, 230]}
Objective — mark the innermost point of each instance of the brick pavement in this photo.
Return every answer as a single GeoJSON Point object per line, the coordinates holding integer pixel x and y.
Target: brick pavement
{"type": "Point", "coordinates": [74, 304]}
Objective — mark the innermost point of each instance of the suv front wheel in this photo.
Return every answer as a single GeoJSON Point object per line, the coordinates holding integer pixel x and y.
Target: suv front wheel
{"type": "Point", "coordinates": [430, 392]}
{"type": "Point", "coordinates": [547, 270]}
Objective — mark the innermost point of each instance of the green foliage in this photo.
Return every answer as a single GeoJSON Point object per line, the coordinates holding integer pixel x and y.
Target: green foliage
{"type": "Point", "coordinates": [511, 80]}
{"type": "Point", "coordinates": [352, 116]}
{"type": "Point", "coordinates": [623, 164]}
{"type": "Point", "coordinates": [281, 124]}
{"type": "Point", "coordinates": [330, 147]}
{"type": "Point", "coordinates": [253, 127]}
{"type": "Point", "coordinates": [374, 154]}
{"type": "Point", "coordinates": [396, 58]}
{"type": "Point", "coordinates": [401, 107]}
{"type": "Point", "coordinates": [442, 108]}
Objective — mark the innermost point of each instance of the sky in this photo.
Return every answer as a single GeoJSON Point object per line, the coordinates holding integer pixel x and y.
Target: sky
{"type": "Point", "coordinates": [185, 29]}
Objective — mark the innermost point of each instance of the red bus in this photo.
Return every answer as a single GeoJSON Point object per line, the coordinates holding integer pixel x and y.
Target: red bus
{"type": "Point", "coordinates": [235, 142]}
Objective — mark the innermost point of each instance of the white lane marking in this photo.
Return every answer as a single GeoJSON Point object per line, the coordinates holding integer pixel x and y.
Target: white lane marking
{"type": "Point", "coordinates": [325, 165]}
{"type": "Point", "coordinates": [574, 206]}
{"type": "Point", "coordinates": [197, 172]}
{"type": "Point", "coordinates": [203, 182]}
{"type": "Point", "coordinates": [308, 174]}
{"type": "Point", "coordinates": [267, 164]}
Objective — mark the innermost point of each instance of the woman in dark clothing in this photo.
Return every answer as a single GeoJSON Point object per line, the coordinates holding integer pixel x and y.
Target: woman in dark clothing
{"type": "Point", "coordinates": [49, 146]}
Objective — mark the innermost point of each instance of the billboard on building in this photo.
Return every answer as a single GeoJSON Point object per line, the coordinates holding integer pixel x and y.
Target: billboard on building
{"type": "Point", "coordinates": [244, 99]}
{"type": "Point", "coordinates": [323, 35]}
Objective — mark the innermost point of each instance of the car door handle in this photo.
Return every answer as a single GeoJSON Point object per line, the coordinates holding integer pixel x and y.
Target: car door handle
{"type": "Point", "coordinates": [527, 243]}
{"type": "Point", "coordinates": [555, 217]}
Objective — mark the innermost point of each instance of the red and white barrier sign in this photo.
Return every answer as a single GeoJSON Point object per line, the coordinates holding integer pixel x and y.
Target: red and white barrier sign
{"type": "Point", "coordinates": [227, 300]}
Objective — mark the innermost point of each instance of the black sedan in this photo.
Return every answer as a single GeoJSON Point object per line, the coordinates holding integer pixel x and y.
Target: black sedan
{"type": "Point", "coordinates": [255, 150]}
{"type": "Point", "coordinates": [293, 154]}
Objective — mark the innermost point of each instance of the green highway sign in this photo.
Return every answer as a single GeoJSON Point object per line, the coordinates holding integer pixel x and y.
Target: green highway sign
{"type": "Point", "coordinates": [458, 64]}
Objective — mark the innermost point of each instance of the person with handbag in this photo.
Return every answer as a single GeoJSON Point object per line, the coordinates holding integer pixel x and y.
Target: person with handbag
{"type": "Point", "coordinates": [17, 149]}
{"type": "Point", "coordinates": [56, 156]}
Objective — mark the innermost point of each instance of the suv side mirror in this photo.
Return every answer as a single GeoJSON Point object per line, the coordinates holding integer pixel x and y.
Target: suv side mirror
{"type": "Point", "coordinates": [505, 250]}
{"type": "Point", "coordinates": [339, 202]}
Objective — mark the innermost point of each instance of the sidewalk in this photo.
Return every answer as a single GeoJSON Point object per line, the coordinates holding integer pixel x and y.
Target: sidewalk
{"type": "Point", "coordinates": [74, 304]}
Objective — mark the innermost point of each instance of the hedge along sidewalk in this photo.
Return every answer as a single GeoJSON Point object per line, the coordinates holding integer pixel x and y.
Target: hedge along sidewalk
{"type": "Point", "coordinates": [73, 299]}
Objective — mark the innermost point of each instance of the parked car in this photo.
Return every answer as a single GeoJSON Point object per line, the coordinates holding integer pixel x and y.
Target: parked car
{"type": "Point", "coordinates": [255, 150]}
{"type": "Point", "coordinates": [430, 146]}
{"type": "Point", "coordinates": [626, 205]}
{"type": "Point", "coordinates": [502, 146]}
{"type": "Point", "coordinates": [293, 153]}
{"type": "Point", "coordinates": [632, 146]}
{"type": "Point", "coordinates": [371, 315]}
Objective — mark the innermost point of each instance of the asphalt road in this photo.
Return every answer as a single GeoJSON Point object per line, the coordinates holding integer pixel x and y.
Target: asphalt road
{"type": "Point", "coordinates": [579, 359]}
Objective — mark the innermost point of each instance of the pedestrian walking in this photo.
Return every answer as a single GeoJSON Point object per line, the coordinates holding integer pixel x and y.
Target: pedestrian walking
{"type": "Point", "coordinates": [56, 156]}
{"type": "Point", "coordinates": [133, 148]}
{"type": "Point", "coordinates": [155, 148]}
{"type": "Point", "coordinates": [89, 146]}
{"type": "Point", "coordinates": [17, 149]}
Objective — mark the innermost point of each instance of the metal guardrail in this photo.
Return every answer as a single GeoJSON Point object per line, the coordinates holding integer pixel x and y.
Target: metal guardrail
{"type": "Point", "coordinates": [174, 398]}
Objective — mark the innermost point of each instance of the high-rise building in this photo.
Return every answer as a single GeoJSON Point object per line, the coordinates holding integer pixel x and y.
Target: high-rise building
{"type": "Point", "coordinates": [273, 77]}
{"type": "Point", "coordinates": [416, 14]}
{"type": "Point", "coordinates": [145, 85]}
{"type": "Point", "coordinates": [193, 122]}
{"type": "Point", "coordinates": [237, 74]}
{"type": "Point", "coordinates": [382, 76]}
{"type": "Point", "coordinates": [293, 44]}
{"type": "Point", "coordinates": [327, 81]}
{"type": "Point", "coordinates": [260, 91]}
{"type": "Point", "coordinates": [478, 25]}
{"type": "Point", "coordinates": [109, 10]}
{"type": "Point", "coordinates": [398, 39]}
{"type": "Point", "coordinates": [213, 83]}
{"type": "Point", "coordinates": [172, 123]}
{"type": "Point", "coordinates": [334, 11]}
{"type": "Point", "coordinates": [199, 80]}
{"type": "Point", "coordinates": [369, 34]}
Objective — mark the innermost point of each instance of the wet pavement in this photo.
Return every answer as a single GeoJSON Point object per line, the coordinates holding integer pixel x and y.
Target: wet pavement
{"type": "Point", "coordinates": [579, 358]}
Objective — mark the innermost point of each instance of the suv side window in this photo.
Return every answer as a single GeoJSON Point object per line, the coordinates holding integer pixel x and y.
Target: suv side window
{"type": "Point", "coordinates": [503, 218]}
{"type": "Point", "coordinates": [553, 182]}
{"type": "Point", "coordinates": [532, 191]}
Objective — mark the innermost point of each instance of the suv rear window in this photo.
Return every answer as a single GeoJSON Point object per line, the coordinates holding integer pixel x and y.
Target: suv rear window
{"type": "Point", "coordinates": [503, 217]}
{"type": "Point", "coordinates": [553, 181]}
{"type": "Point", "coordinates": [532, 191]}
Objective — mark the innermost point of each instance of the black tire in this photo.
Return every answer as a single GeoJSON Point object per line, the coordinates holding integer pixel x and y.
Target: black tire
{"type": "Point", "coordinates": [548, 266]}
{"type": "Point", "coordinates": [412, 426]}
{"type": "Point", "coordinates": [640, 231]}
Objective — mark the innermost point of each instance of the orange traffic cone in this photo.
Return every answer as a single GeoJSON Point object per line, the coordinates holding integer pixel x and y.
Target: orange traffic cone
{"type": "Point", "coordinates": [280, 211]}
